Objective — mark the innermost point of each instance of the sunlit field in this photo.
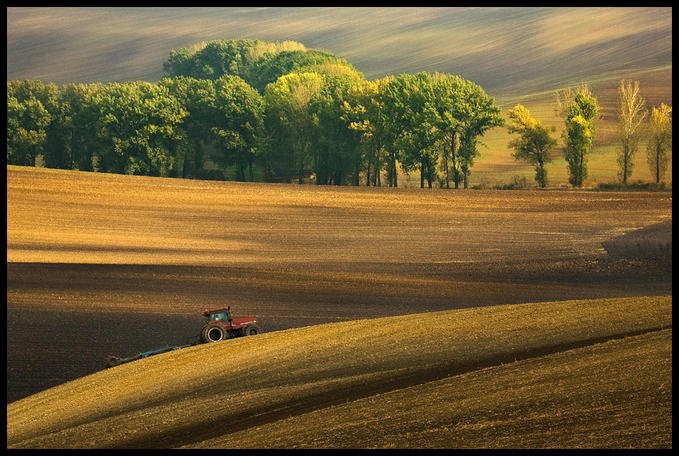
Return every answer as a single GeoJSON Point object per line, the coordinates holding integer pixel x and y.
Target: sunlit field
{"type": "Point", "coordinates": [581, 374]}
{"type": "Point", "coordinates": [366, 296]}
{"type": "Point", "coordinates": [399, 318]}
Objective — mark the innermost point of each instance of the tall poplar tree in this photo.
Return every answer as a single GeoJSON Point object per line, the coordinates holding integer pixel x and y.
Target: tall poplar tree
{"type": "Point", "coordinates": [659, 146]}
{"type": "Point", "coordinates": [631, 115]}
{"type": "Point", "coordinates": [579, 109]}
{"type": "Point", "coordinates": [533, 143]}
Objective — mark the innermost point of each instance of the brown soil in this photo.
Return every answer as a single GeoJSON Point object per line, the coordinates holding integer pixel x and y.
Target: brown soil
{"type": "Point", "coordinates": [124, 310]}
{"type": "Point", "coordinates": [104, 264]}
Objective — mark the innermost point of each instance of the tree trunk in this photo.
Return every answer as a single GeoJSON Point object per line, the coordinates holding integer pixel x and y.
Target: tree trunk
{"type": "Point", "coordinates": [367, 173]}
{"type": "Point", "coordinates": [625, 155]}
{"type": "Point", "coordinates": [184, 165]}
{"type": "Point", "coordinates": [445, 167]}
{"type": "Point", "coordinates": [657, 163]}
{"type": "Point", "coordinates": [453, 159]}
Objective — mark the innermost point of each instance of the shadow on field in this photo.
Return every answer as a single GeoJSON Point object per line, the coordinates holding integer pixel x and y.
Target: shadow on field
{"type": "Point", "coordinates": [652, 243]}
{"type": "Point", "coordinates": [63, 320]}
{"type": "Point", "coordinates": [384, 382]}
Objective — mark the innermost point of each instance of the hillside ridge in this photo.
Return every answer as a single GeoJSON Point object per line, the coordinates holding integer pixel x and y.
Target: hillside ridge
{"type": "Point", "coordinates": [499, 48]}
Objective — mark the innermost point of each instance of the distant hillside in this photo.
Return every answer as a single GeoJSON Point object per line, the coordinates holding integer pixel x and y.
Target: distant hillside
{"type": "Point", "coordinates": [506, 50]}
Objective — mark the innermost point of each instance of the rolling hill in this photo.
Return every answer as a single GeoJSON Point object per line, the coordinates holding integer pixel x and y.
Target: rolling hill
{"type": "Point", "coordinates": [516, 54]}
{"type": "Point", "coordinates": [579, 374]}
{"type": "Point", "coordinates": [506, 50]}
{"type": "Point", "coordinates": [114, 264]}
{"type": "Point", "coordinates": [392, 317]}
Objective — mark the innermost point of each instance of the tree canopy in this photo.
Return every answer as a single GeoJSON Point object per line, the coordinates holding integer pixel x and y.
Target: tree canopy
{"type": "Point", "coordinates": [254, 110]}
{"type": "Point", "coordinates": [580, 109]}
{"type": "Point", "coordinates": [533, 143]}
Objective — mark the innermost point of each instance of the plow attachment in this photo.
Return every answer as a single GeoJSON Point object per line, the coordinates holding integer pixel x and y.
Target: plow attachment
{"type": "Point", "coordinates": [113, 360]}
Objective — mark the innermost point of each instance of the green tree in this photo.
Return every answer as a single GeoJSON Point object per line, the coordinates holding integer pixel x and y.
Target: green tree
{"type": "Point", "coordinates": [659, 146]}
{"type": "Point", "coordinates": [28, 119]}
{"type": "Point", "coordinates": [363, 112]}
{"type": "Point", "coordinates": [631, 115]}
{"type": "Point", "coordinates": [336, 151]}
{"type": "Point", "coordinates": [272, 66]}
{"type": "Point", "coordinates": [197, 97]}
{"type": "Point", "coordinates": [212, 59]}
{"type": "Point", "coordinates": [449, 110]}
{"type": "Point", "coordinates": [239, 125]}
{"type": "Point", "coordinates": [72, 137]}
{"type": "Point", "coordinates": [408, 101]}
{"type": "Point", "coordinates": [290, 120]}
{"type": "Point", "coordinates": [580, 109]}
{"type": "Point", "coordinates": [138, 128]}
{"type": "Point", "coordinates": [26, 123]}
{"type": "Point", "coordinates": [478, 114]}
{"type": "Point", "coordinates": [533, 143]}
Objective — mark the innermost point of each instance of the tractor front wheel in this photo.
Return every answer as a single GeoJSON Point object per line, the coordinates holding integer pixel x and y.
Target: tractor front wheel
{"type": "Point", "coordinates": [213, 333]}
{"type": "Point", "coordinates": [250, 330]}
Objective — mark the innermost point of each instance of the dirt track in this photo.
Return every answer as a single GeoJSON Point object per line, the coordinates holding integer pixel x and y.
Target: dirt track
{"type": "Point", "coordinates": [104, 264]}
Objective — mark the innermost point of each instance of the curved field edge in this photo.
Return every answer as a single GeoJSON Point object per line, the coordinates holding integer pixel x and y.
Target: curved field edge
{"type": "Point", "coordinates": [616, 394]}
{"type": "Point", "coordinates": [206, 392]}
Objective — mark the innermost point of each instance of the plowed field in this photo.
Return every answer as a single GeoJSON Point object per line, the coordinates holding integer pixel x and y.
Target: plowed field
{"type": "Point", "coordinates": [100, 264]}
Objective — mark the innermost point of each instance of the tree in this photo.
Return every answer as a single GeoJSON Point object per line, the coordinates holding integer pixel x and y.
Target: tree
{"type": "Point", "coordinates": [580, 109]}
{"type": "Point", "coordinates": [478, 114]}
{"type": "Point", "coordinates": [239, 126]}
{"type": "Point", "coordinates": [364, 112]}
{"type": "Point", "coordinates": [336, 151]}
{"type": "Point", "coordinates": [26, 123]}
{"type": "Point", "coordinates": [197, 97]}
{"type": "Point", "coordinates": [631, 115]}
{"type": "Point", "coordinates": [289, 119]}
{"type": "Point", "coordinates": [72, 137]}
{"type": "Point", "coordinates": [28, 119]}
{"type": "Point", "coordinates": [659, 146]}
{"type": "Point", "coordinates": [533, 143]}
{"type": "Point", "coordinates": [138, 128]}
{"type": "Point", "coordinates": [214, 59]}
{"type": "Point", "coordinates": [449, 97]}
{"type": "Point", "coordinates": [272, 66]}
{"type": "Point", "coordinates": [408, 104]}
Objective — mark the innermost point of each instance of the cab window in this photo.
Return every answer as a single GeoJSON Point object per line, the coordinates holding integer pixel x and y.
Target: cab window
{"type": "Point", "coordinates": [219, 316]}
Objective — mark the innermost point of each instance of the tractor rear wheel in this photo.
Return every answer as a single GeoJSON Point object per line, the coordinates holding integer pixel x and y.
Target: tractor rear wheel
{"type": "Point", "coordinates": [213, 333]}
{"type": "Point", "coordinates": [250, 330]}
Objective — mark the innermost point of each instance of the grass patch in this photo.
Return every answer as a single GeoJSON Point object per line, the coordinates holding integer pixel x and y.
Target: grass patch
{"type": "Point", "coordinates": [634, 186]}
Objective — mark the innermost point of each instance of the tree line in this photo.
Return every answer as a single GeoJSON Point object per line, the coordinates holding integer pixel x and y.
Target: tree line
{"type": "Point", "coordinates": [277, 112]}
{"type": "Point", "coordinates": [580, 109]}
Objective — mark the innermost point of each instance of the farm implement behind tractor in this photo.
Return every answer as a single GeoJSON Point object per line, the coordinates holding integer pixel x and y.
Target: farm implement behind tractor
{"type": "Point", "coordinates": [220, 325]}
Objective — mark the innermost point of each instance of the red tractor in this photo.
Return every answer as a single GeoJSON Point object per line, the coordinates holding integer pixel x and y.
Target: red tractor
{"type": "Point", "coordinates": [221, 325]}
